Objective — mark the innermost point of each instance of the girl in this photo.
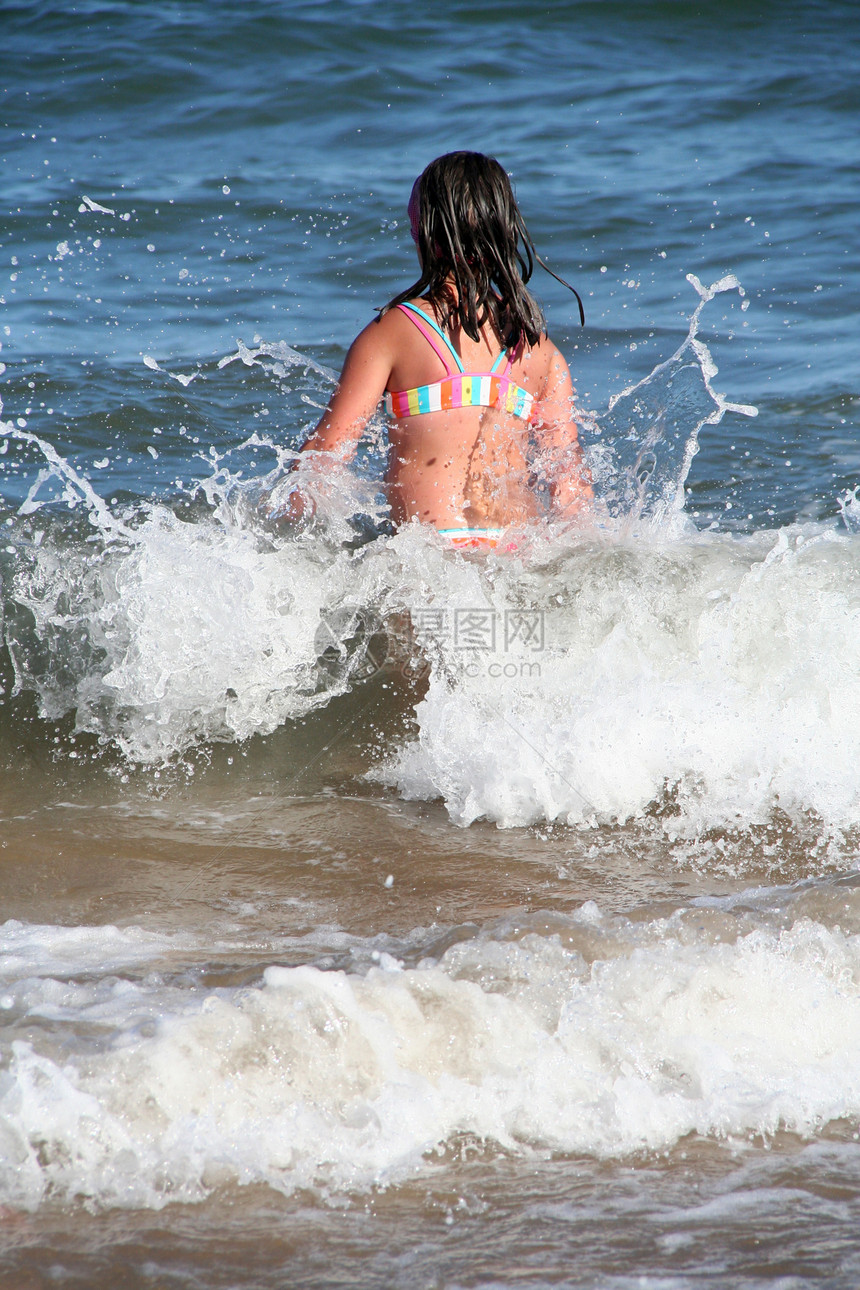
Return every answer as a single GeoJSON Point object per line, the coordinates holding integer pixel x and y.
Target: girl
{"type": "Point", "coordinates": [481, 399]}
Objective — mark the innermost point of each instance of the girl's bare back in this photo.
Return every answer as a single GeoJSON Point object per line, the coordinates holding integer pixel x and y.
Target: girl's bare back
{"type": "Point", "coordinates": [464, 467]}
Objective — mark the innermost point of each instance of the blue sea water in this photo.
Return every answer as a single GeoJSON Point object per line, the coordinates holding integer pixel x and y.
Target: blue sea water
{"type": "Point", "coordinates": [319, 974]}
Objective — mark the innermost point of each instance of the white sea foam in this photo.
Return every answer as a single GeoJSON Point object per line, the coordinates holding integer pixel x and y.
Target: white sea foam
{"type": "Point", "coordinates": [584, 676]}
{"type": "Point", "coordinates": [28, 950]}
{"type": "Point", "coordinates": [605, 1039]}
{"type": "Point", "coordinates": [725, 670]}
{"type": "Point", "coordinates": [178, 632]}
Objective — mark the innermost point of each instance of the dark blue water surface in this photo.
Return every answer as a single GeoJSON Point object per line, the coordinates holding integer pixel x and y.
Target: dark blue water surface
{"type": "Point", "coordinates": [257, 159]}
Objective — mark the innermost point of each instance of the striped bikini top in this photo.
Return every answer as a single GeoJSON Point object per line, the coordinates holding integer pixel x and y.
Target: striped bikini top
{"type": "Point", "coordinates": [459, 388]}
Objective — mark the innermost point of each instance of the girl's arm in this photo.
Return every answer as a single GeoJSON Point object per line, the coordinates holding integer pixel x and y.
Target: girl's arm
{"type": "Point", "coordinates": [354, 400]}
{"type": "Point", "coordinates": [560, 454]}
{"type": "Point", "coordinates": [357, 394]}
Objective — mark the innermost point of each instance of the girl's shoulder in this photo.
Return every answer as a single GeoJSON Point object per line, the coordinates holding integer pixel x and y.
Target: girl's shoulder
{"type": "Point", "coordinates": [385, 324]}
{"type": "Point", "coordinates": [545, 355]}
{"type": "Point", "coordinates": [392, 318]}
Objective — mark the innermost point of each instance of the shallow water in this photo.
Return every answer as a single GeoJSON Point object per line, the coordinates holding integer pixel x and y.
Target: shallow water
{"type": "Point", "coordinates": [373, 915]}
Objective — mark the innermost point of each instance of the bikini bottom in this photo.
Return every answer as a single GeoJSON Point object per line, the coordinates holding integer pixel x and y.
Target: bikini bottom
{"type": "Point", "coordinates": [476, 539]}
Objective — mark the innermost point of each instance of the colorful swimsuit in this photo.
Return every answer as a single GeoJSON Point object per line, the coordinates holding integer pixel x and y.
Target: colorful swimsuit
{"type": "Point", "coordinates": [473, 539]}
{"type": "Point", "coordinates": [459, 388]}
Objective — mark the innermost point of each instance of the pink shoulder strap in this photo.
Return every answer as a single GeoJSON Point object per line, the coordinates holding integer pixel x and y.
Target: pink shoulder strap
{"type": "Point", "coordinates": [512, 353]}
{"type": "Point", "coordinates": [426, 329]}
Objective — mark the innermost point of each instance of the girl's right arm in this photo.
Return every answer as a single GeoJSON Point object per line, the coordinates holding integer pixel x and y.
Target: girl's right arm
{"type": "Point", "coordinates": [560, 459]}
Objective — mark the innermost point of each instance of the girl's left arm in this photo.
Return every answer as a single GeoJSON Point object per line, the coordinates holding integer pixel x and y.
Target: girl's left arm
{"type": "Point", "coordinates": [356, 396]}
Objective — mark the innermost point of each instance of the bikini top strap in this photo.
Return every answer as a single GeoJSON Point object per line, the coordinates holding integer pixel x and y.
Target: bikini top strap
{"type": "Point", "coordinates": [510, 355]}
{"type": "Point", "coordinates": [427, 327]}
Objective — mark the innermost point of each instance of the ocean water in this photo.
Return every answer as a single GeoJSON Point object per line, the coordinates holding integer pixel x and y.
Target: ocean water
{"type": "Point", "coordinates": [370, 914]}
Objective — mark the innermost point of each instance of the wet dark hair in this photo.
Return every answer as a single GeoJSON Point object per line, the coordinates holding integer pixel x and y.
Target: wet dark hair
{"type": "Point", "coordinates": [467, 226]}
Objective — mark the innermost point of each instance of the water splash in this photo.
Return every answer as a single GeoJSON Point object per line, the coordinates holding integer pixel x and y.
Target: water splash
{"type": "Point", "coordinates": [168, 630]}
{"type": "Point", "coordinates": [76, 488]}
{"type": "Point", "coordinates": [849, 509]}
{"type": "Point", "coordinates": [703, 668]}
{"type": "Point", "coordinates": [653, 427]}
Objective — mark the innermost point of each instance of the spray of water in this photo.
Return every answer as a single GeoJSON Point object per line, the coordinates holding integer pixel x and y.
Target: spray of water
{"type": "Point", "coordinates": [583, 676]}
